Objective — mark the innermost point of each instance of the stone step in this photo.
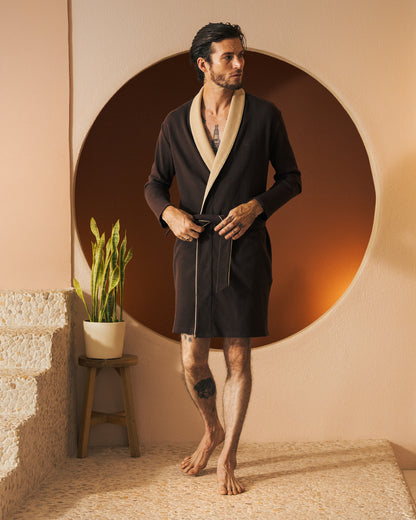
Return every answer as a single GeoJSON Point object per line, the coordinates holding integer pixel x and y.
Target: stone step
{"type": "Point", "coordinates": [18, 392]}
{"type": "Point", "coordinates": [25, 347]}
{"type": "Point", "coordinates": [36, 308]}
{"type": "Point", "coordinates": [37, 406]}
{"type": "Point", "coordinates": [9, 442]}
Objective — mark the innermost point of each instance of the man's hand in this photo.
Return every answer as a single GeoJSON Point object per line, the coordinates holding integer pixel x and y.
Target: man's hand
{"type": "Point", "coordinates": [181, 224]}
{"type": "Point", "coordinates": [239, 219]}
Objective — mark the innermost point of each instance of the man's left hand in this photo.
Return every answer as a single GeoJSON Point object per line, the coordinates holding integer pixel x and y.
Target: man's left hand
{"type": "Point", "coordinates": [239, 219]}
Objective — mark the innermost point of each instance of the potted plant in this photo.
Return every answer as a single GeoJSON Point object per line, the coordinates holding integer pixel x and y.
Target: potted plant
{"type": "Point", "coordinates": [104, 331]}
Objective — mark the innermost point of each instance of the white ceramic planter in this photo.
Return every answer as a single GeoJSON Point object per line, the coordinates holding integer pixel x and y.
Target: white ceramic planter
{"type": "Point", "coordinates": [104, 340]}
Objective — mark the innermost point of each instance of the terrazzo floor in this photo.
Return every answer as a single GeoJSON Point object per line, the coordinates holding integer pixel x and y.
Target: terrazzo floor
{"type": "Point", "coordinates": [284, 481]}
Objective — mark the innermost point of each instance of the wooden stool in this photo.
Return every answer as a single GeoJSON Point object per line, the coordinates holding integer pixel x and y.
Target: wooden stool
{"type": "Point", "coordinates": [91, 418]}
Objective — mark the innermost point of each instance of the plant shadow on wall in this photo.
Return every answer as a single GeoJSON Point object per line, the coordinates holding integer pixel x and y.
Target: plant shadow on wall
{"type": "Point", "coordinates": [318, 239]}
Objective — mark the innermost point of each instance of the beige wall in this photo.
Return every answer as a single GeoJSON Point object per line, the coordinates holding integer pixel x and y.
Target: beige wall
{"type": "Point", "coordinates": [34, 135]}
{"type": "Point", "coordinates": [351, 373]}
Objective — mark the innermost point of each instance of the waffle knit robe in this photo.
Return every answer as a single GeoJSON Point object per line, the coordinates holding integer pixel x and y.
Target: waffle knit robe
{"type": "Point", "coordinates": [222, 286]}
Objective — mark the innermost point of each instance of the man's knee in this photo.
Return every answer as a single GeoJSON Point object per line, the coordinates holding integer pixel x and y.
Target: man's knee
{"type": "Point", "coordinates": [238, 355]}
{"type": "Point", "coordinates": [194, 353]}
{"type": "Point", "coordinates": [192, 363]}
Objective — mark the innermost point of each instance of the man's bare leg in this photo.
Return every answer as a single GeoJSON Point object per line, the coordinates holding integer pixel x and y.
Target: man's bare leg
{"type": "Point", "coordinates": [237, 352]}
{"type": "Point", "coordinates": [201, 386]}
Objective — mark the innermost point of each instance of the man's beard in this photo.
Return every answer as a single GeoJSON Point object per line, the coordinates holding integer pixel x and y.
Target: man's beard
{"type": "Point", "coordinates": [219, 79]}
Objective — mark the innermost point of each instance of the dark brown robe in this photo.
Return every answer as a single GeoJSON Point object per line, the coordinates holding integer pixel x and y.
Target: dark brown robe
{"type": "Point", "coordinates": [222, 286]}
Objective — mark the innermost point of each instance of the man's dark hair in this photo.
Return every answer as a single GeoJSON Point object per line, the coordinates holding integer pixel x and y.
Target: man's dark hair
{"type": "Point", "coordinates": [212, 32]}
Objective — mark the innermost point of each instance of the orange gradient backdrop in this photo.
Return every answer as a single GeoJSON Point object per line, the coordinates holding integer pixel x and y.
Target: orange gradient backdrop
{"type": "Point", "coordinates": [318, 238]}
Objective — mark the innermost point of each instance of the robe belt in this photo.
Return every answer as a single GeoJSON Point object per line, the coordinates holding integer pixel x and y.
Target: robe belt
{"type": "Point", "coordinates": [222, 264]}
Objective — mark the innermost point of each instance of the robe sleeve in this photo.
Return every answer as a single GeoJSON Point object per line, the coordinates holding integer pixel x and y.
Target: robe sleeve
{"type": "Point", "coordinates": [156, 190]}
{"type": "Point", "coordinates": [287, 180]}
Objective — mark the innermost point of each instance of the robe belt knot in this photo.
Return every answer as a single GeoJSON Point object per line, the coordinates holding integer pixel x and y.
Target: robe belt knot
{"type": "Point", "coordinates": [210, 242]}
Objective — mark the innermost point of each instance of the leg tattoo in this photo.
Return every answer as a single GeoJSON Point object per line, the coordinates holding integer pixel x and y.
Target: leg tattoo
{"type": "Point", "coordinates": [205, 388]}
{"type": "Point", "coordinates": [201, 386]}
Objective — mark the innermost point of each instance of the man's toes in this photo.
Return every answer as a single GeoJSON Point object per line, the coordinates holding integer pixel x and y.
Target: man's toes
{"type": "Point", "coordinates": [186, 465]}
{"type": "Point", "coordinates": [193, 471]}
{"type": "Point", "coordinates": [231, 487]}
{"type": "Point", "coordinates": [239, 487]}
{"type": "Point", "coordinates": [190, 467]}
{"type": "Point", "coordinates": [222, 490]}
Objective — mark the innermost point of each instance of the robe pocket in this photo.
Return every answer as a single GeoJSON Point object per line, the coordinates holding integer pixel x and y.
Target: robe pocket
{"type": "Point", "coordinates": [184, 255]}
{"type": "Point", "coordinates": [251, 258]}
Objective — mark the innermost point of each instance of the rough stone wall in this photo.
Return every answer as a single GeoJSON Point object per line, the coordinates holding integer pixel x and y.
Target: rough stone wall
{"type": "Point", "coordinates": [37, 401]}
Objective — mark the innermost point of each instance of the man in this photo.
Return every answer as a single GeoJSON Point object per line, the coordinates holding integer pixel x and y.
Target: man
{"type": "Point", "coordinates": [219, 146]}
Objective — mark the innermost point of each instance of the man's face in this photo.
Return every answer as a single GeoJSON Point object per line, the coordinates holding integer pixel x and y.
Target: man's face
{"type": "Point", "coordinates": [227, 64]}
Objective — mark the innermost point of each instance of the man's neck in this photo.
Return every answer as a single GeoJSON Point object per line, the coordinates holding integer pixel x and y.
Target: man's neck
{"type": "Point", "coordinates": [216, 99]}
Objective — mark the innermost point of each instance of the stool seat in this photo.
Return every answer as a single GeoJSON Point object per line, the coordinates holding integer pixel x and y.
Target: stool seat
{"type": "Point", "coordinates": [91, 417]}
{"type": "Point", "coordinates": [127, 360]}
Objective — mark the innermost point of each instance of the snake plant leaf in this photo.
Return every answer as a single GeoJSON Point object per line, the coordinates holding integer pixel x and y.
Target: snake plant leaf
{"type": "Point", "coordinates": [96, 274]}
{"type": "Point", "coordinates": [79, 292]}
{"type": "Point", "coordinates": [107, 274]}
{"type": "Point", "coordinates": [106, 271]}
{"type": "Point", "coordinates": [107, 313]}
{"type": "Point", "coordinates": [100, 283]}
{"type": "Point", "coordinates": [125, 257]}
{"type": "Point", "coordinates": [129, 256]}
{"type": "Point", "coordinates": [113, 283]}
{"type": "Point", "coordinates": [113, 279]}
{"type": "Point", "coordinates": [109, 316]}
{"type": "Point", "coordinates": [123, 247]}
{"type": "Point", "coordinates": [106, 263]}
{"type": "Point", "coordinates": [124, 260]}
{"type": "Point", "coordinates": [108, 249]}
{"type": "Point", "coordinates": [116, 231]}
{"type": "Point", "coordinates": [94, 229]}
{"type": "Point", "coordinates": [115, 239]}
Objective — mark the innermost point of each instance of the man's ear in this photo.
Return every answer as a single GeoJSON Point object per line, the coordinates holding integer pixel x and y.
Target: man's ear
{"type": "Point", "coordinates": [202, 65]}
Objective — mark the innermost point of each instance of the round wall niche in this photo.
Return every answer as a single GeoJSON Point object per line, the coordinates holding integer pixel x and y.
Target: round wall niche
{"type": "Point", "coordinates": [318, 239]}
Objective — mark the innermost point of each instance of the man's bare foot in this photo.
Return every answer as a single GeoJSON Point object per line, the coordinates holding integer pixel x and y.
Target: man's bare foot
{"type": "Point", "coordinates": [195, 463]}
{"type": "Point", "coordinates": [227, 482]}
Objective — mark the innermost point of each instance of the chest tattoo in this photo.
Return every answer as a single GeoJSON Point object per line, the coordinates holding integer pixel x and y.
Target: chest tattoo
{"type": "Point", "coordinates": [215, 143]}
{"type": "Point", "coordinates": [213, 136]}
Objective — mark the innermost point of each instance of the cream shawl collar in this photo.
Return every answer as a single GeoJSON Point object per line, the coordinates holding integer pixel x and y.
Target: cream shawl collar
{"type": "Point", "coordinates": [216, 161]}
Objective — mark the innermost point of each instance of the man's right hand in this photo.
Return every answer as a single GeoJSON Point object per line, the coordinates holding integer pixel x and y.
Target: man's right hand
{"type": "Point", "coordinates": [181, 224]}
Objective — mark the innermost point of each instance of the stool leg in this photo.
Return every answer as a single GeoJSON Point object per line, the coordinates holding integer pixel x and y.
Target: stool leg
{"type": "Point", "coordinates": [129, 408]}
{"type": "Point", "coordinates": [84, 428]}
